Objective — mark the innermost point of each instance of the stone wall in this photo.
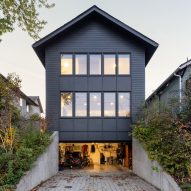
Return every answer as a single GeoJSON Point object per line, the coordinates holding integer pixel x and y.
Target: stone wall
{"type": "Point", "coordinates": [143, 167]}
{"type": "Point", "coordinates": [45, 167]}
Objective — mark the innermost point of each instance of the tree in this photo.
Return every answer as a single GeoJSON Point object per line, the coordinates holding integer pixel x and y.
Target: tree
{"type": "Point", "coordinates": [9, 113]}
{"type": "Point", "coordinates": [24, 13]}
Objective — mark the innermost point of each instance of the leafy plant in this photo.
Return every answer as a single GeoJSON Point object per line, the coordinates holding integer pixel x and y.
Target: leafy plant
{"type": "Point", "coordinates": [7, 137]}
{"type": "Point", "coordinates": [21, 141]}
{"type": "Point", "coordinates": [23, 13]}
{"type": "Point", "coordinates": [167, 138]}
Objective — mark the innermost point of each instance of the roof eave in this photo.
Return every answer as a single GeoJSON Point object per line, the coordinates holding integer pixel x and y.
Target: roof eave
{"type": "Point", "coordinates": [150, 43]}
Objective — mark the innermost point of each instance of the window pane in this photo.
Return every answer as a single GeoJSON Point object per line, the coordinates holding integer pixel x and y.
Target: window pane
{"type": "Point", "coordinates": [95, 64]}
{"type": "Point", "coordinates": [124, 64]}
{"type": "Point", "coordinates": [109, 104]}
{"type": "Point", "coordinates": [81, 64]}
{"type": "Point", "coordinates": [66, 64]}
{"type": "Point", "coordinates": [124, 104]}
{"type": "Point", "coordinates": [66, 104]}
{"type": "Point", "coordinates": [95, 104]}
{"type": "Point", "coordinates": [81, 104]}
{"type": "Point", "coordinates": [109, 64]}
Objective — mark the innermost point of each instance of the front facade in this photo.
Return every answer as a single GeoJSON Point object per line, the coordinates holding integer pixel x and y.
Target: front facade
{"type": "Point", "coordinates": [95, 77]}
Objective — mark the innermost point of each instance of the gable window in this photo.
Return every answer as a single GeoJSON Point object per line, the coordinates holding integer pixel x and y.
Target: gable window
{"type": "Point", "coordinates": [124, 64]}
{"type": "Point", "coordinates": [124, 104]}
{"type": "Point", "coordinates": [81, 64]}
{"type": "Point", "coordinates": [66, 64]}
{"type": "Point", "coordinates": [81, 104]}
{"type": "Point", "coordinates": [66, 104]}
{"type": "Point", "coordinates": [95, 64]}
{"type": "Point", "coordinates": [95, 104]}
{"type": "Point", "coordinates": [109, 64]}
{"type": "Point", "coordinates": [109, 104]}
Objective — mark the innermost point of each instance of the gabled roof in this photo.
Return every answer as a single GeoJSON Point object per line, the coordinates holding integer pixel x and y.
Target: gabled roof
{"type": "Point", "coordinates": [150, 45]}
{"type": "Point", "coordinates": [21, 94]}
{"type": "Point", "coordinates": [180, 71]}
{"type": "Point", "coordinates": [36, 99]}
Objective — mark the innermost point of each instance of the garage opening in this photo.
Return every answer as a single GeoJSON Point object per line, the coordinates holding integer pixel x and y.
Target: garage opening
{"type": "Point", "coordinates": [81, 155]}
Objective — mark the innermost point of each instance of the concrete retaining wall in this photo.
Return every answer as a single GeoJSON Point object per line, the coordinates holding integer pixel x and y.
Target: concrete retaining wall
{"type": "Point", "coordinates": [143, 167]}
{"type": "Point", "coordinates": [45, 167]}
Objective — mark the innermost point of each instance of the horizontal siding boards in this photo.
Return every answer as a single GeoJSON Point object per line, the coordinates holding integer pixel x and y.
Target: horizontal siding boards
{"type": "Point", "coordinates": [138, 80]}
{"type": "Point", "coordinates": [71, 83]}
{"type": "Point", "coordinates": [96, 128]}
{"type": "Point", "coordinates": [93, 36]}
{"type": "Point", "coordinates": [170, 92]}
{"type": "Point", "coordinates": [52, 89]}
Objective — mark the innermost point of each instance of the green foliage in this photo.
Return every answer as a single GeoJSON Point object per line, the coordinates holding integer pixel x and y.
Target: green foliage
{"type": "Point", "coordinates": [14, 165]}
{"type": "Point", "coordinates": [167, 139]}
{"type": "Point", "coordinates": [21, 142]}
{"type": "Point", "coordinates": [24, 13]}
{"type": "Point", "coordinates": [35, 117]}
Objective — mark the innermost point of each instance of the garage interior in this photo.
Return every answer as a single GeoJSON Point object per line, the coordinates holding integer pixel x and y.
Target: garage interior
{"type": "Point", "coordinates": [96, 154]}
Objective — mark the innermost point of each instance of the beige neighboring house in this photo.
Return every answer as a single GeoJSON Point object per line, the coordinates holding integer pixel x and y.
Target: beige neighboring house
{"type": "Point", "coordinates": [28, 105]}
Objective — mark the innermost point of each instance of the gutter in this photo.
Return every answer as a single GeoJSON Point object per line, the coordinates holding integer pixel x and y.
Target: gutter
{"type": "Point", "coordinates": [180, 90]}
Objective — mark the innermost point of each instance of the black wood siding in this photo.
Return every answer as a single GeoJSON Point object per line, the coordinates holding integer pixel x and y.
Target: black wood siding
{"type": "Point", "coordinates": [93, 36]}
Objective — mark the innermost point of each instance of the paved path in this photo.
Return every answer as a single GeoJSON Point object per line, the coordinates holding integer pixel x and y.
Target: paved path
{"type": "Point", "coordinates": [100, 178]}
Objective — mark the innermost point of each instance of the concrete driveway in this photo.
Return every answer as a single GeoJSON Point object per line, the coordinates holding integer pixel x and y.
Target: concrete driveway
{"type": "Point", "coordinates": [97, 178]}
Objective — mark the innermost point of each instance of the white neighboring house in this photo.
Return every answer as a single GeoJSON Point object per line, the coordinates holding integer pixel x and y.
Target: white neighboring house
{"type": "Point", "coordinates": [28, 105]}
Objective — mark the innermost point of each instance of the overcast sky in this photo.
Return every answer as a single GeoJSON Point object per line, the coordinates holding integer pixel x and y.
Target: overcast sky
{"type": "Point", "coordinates": [165, 21]}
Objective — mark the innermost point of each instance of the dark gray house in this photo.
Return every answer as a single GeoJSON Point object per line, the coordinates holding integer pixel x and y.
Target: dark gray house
{"type": "Point", "coordinates": [95, 77]}
{"type": "Point", "coordinates": [173, 88]}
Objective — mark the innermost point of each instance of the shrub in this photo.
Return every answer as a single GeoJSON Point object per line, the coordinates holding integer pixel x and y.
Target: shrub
{"type": "Point", "coordinates": [167, 139]}
{"type": "Point", "coordinates": [14, 165]}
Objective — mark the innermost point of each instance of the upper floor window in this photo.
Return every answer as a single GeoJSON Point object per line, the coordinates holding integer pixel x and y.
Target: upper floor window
{"type": "Point", "coordinates": [81, 64]}
{"type": "Point", "coordinates": [124, 64]}
{"type": "Point", "coordinates": [66, 104]}
{"type": "Point", "coordinates": [109, 64]}
{"type": "Point", "coordinates": [27, 108]}
{"type": "Point", "coordinates": [95, 104]}
{"type": "Point", "coordinates": [95, 64]}
{"type": "Point", "coordinates": [109, 104]}
{"type": "Point", "coordinates": [81, 104]}
{"type": "Point", "coordinates": [124, 104]}
{"type": "Point", "coordinates": [66, 64]}
{"type": "Point", "coordinates": [21, 102]}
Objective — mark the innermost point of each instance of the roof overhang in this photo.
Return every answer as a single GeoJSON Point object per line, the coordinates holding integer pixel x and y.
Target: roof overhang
{"type": "Point", "coordinates": [180, 71]}
{"type": "Point", "coordinates": [150, 45]}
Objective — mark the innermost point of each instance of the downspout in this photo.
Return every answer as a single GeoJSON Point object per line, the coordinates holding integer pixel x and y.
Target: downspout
{"type": "Point", "coordinates": [180, 90]}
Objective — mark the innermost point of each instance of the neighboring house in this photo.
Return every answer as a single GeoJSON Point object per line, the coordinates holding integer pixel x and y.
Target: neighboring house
{"type": "Point", "coordinates": [171, 91]}
{"type": "Point", "coordinates": [28, 105]}
{"type": "Point", "coordinates": [35, 109]}
{"type": "Point", "coordinates": [95, 77]}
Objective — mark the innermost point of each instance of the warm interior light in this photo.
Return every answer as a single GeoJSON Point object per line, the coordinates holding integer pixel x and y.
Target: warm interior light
{"type": "Point", "coordinates": [95, 97]}
{"type": "Point", "coordinates": [114, 65]}
{"type": "Point", "coordinates": [121, 96]}
{"type": "Point", "coordinates": [111, 103]}
{"type": "Point", "coordinates": [66, 64]}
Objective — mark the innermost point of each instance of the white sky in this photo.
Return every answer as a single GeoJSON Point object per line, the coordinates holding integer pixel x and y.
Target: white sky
{"type": "Point", "coordinates": [165, 21]}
